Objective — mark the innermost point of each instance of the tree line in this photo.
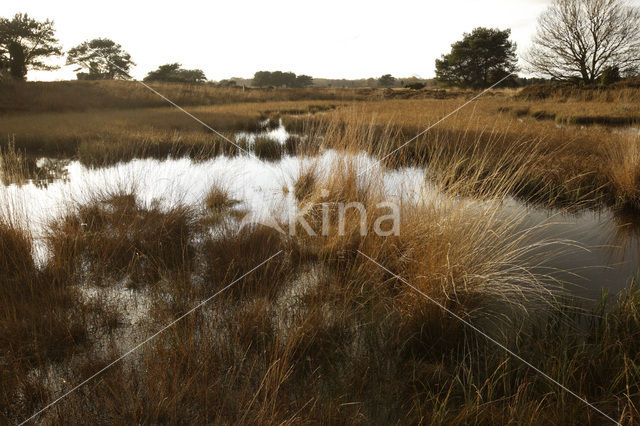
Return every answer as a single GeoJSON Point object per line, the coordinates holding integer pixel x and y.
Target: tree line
{"type": "Point", "coordinates": [279, 79]}
{"type": "Point", "coordinates": [576, 40]}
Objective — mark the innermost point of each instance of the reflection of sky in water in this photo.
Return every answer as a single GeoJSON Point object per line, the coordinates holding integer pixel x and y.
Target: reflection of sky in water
{"type": "Point", "coordinates": [279, 133]}
{"type": "Point", "coordinates": [605, 252]}
{"type": "Point", "coordinates": [602, 248]}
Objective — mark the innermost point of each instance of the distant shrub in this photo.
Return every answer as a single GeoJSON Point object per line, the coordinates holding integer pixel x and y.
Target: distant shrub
{"type": "Point", "coordinates": [610, 75]}
{"type": "Point", "coordinates": [227, 83]}
{"type": "Point", "coordinates": [387, 80]}
{"type": "Point", "coordinates": [415, 86]}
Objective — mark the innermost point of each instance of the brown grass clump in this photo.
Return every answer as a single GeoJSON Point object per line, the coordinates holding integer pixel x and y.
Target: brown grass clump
{"type": "Point", "coordinates": [321, 334]}
{"type": "Point", "coordinates": [267, 148]}
{"type": "Point", "coordinates": [114, 236]}
{"type": "Point", "coordinates": [219, 205]}
{"type": "Point", "coordinates": [623, 170]}
{"type": "Point", "coordinates": [39, 320]}
{"type": "Point", "coordinates": [235, 251]}
{"type": "Point", "coordinates": [305, 183]}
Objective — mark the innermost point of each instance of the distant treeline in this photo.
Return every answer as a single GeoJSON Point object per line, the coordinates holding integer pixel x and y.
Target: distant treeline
{"type": "Point", "coordinates": [281, 79]}
{"type": "Point", "coordinates": [407, 82]}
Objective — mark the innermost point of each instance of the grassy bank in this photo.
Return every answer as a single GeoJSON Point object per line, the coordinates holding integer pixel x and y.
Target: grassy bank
{"type": "Point", "coordinates": [118, 135]}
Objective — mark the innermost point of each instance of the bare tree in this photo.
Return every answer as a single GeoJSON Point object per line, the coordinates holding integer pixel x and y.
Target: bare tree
{"type": "Point", "coordinates": [580, 38]}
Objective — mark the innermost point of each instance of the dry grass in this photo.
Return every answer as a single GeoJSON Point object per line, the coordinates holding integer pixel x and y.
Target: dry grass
{"type": "Point", "coordinates": [572, 162]}
{"type": "Point", "coordinates": [130, 133]}
{"type": "Point", "coordinates": [114, 237]}
{"type": "Point", "coordinates": [267, 148]}
{"type": "Point", "coordinates": [37, 97]}
{"type": "Point", "coordinates": [320, 334]}
{"type": "Point", "coordinates": [623, 166]}
{"type": "Point", "coordinates": [567, 166]}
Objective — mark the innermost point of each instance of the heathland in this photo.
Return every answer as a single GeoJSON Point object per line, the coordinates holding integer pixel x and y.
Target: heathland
{"type": "Point", "coordinates": [319, 333]}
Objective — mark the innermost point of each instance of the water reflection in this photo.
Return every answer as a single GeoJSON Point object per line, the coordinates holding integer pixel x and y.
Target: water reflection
{"type": "Point", "coordinates": [41, 172]}
{"type": "Point", "coordinates": [602, 247]}
{"type": "Point", "coordinates": [278, 133]}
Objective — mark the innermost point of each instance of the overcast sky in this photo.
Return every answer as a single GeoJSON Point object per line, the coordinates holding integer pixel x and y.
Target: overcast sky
{"type": "Point", "coordinates": [235, 38]}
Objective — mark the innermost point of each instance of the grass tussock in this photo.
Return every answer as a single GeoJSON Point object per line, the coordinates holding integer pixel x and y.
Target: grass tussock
{"type": "Point", "coordinates": [234, 252]}
{"type": "Point", "coordinates": [267, 148]}
{"type": "Point", "coordinates": [219, 205]}
{"type": "Point", "coordinates": [623, 167]}
{"type": "Point", "coordinates": [114, 237]}
{"type": "Point", "coordinates": [328, 332]}
{"type": "Point", "coordinates": [41, 318]}
{"type": "Point", "coordinates": [305, 183]}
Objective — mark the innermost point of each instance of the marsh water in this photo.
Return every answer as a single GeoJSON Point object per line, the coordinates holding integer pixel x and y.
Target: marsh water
{"type": "Point", "coordinates": [600, 249]}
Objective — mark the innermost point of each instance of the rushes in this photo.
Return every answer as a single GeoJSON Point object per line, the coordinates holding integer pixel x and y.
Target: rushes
{"type": "Point", "coordinates": [329, 327]}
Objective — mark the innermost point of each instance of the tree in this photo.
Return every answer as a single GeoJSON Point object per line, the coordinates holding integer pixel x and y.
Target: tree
{"type": "Point", "coordinates": [304, 81]}
{"type": "Point", "coordinates": [479, 60]}
{"type": "Point", "coordinates": [387, 80]}
{"type": "Point", "coordinates": [279, 78]}
{"type": "Point", "coordinates": [580, 38]}
{"type": "Point", "coordinates": [24, 42]}
{"type": "Point", "coordinates": [102, 58]}
{"type": "Point", "coordinates": [174, 72]}
{"type": "Point", "coordinates": [17, 66]}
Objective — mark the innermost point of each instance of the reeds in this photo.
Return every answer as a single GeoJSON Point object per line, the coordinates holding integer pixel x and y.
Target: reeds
{"type": "Point", "coordinates": [317, 330]}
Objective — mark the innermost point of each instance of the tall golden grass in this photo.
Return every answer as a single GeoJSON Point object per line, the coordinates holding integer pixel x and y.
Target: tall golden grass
{"type": "Point", "coordinates": [573, 164]}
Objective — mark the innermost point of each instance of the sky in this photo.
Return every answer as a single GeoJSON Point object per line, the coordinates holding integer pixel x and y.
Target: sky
{"type": "Point", "coordinates": [236, 38]}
